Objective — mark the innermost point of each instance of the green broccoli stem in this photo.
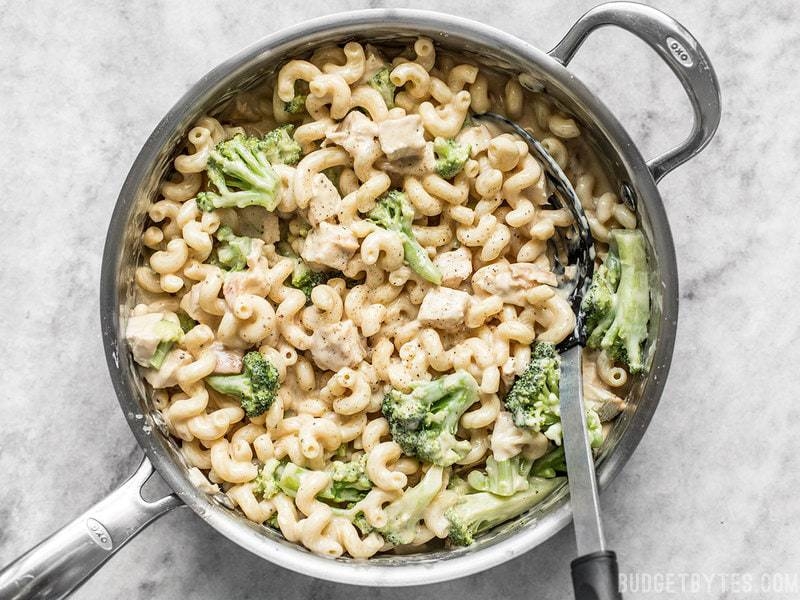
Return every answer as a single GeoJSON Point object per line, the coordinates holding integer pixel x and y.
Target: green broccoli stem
{"type": "Point", "coordinates": [208, 201]}
{"type": "Point", "coordinates": [478, 512]}
{"type": "Point", "coordinates": [230, 385]}
{"type": "Point", "coordinates": [404, 514]}
{"type": "Point", "coordinates": [255, 387]}
{"type": "Point", "coordinates": [394, 212]}
{"type": "Point", "coordinates": [187, 323]}
{"type": "Point", "coordinates": [291, 478]}
{"type": "Point", "coordinates": [633, 298]}
{"type": "Point", "coordinates": [461, 396]}
{"type": "Point", "coordinates": [168, 332]}
{"type": "Point", "coordinates": [418, 260]}
{"type": "Point", "coordinates": [503, 478]}
{"type": "Point", "coordinates": [163, 348]}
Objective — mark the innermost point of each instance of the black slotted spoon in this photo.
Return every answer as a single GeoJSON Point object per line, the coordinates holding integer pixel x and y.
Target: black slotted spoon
{"type": "Point", "coordinates": [595, 574]}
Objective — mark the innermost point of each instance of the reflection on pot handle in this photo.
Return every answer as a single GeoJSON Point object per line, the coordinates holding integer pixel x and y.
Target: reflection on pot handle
{"type": "Point", "coordinates": [62, 562]}
{"type": "Point", "coordinates": [678, 48]}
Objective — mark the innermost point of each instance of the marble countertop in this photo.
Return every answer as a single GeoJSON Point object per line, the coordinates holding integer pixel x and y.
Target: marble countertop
{"type": "Point", "coordinates": [710, 496]}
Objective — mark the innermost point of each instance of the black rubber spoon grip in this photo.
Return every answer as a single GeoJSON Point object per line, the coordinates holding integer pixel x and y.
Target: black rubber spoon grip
{"type": "Point", "coordinates": [595, 576]}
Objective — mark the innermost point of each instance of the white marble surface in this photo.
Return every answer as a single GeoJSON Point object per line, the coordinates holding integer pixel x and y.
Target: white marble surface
{"type": "Point", "coordinates": [713, 487]}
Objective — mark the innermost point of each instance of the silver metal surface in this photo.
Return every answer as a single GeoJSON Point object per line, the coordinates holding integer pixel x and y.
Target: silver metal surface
{"type": "Point", "coordinates": [583, 493]}
{"type": "Point", "coordinates": [61, 563]}
{"type": "Point", "coordinates": [682, 53]}
{"type": "Point", "coordinates": [487, 46]}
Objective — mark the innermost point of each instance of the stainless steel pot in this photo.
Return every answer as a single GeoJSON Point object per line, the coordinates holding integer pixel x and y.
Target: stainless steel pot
{"type": "Point", "coordinates": [62, 562]}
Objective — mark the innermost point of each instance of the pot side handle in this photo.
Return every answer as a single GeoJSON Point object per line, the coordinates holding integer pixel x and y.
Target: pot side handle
{"type": "Point", "coordinates": [58, 565]}
{"type": "Point", "coordinates": [678, 48]}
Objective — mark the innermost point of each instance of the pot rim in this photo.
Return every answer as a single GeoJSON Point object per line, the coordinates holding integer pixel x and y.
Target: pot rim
{"type": "Point", "coordinates": [291, 556]}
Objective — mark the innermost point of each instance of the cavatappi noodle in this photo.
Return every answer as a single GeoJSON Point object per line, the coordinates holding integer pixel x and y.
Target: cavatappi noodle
{"type": "Point", "coordinates": [376, 324]}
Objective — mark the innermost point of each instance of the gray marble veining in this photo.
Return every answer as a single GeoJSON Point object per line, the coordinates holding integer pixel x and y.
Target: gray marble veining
{"type": "Point", "coordinates": [712, 489]}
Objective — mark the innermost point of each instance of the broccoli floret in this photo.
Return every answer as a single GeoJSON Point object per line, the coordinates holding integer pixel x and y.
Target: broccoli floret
{"type": "Point", "coordinates": [360, 521]}
{"type": "Point", "coordinates": [617, 306]}
{"type": "Point", "coordinates": [404, 514]}
{"type": "Point", "coordinates": [349, 480]}
{"type": "Point", "coordinates": [395, 213]}
{"type": "Point", "coordinates": [304, 278]}
{"type": "Point", "coordinates": [533, 399]}
{"type": "Point", "coordinates": [381, 82]}
{"type": "Point", "coordinates": [232, 252]}
{"type": "Point", "coordinates": [504, 478]}
{"type": "Point", "coordinates": [424, 421]}
{"type": "Point", "coordinates": [550, 464]}
{"type": "Point", "coordinates": [279, 147]}
{"type": "Point", "coordinates": [168, 332]}
{"type": "Point", "coordinates": [240, 163]}
{"type": "Point", "coordinates": [255, 387]}
{"type": "Point", "coordinates": [450, 157]}
{"type": "Point", "coordinates": [352, 473]}
{"type": "Point", "coordinates": [296, 105]}
{"type": "Point", "coordinates": [265, 484]}
{"type": "Point", "coordinates": [474, 513]}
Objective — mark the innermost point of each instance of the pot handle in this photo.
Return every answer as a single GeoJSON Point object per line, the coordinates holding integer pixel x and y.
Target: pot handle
{"type": "Point", "coordinates": [58, 565]}
{"type": "Point", "coordinates": [678, 48]}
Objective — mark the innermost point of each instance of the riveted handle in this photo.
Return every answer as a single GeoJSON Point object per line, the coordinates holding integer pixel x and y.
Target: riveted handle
{"type": "Point", "coordinates": [682, 53]}
{"type": "Point", "coordinates": [58, 565]}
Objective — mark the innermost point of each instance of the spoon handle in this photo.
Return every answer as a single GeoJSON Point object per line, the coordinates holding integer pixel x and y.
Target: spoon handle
{"type": "Point", "coordinates": [595, 576]}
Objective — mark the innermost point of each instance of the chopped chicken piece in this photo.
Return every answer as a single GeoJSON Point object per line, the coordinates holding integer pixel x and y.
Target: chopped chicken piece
{"type": "Point", "coordinates": [228, 361]}
{"type": "Point", "coordinates": [325, 200]}
{"type": "Point", "coordinates": [235, 285]}
{"type": "Point", "coordinates": [511, 281]}
{"type": "Point", "coordinates": [329, 246]}
{"type": "Point", "coordinates": [337, 345]}
{"type": "Point", "coordinates": [455, 266]}
{"type": "Point", "coordinates": [271, 230]}
{"type": "Point", "coordinates": [253, 281]}
{"type": "Point", "coordinates": [508, 440]}
{"type": "Point", "coordinates": [402, 138]}
{"type": "Point", "coordinates": [142, 336]}
{"type": "Point", "coordinates": [416, 165]}
{"type": "Point", "coordinates": [167, 375]}
{"type": "Point", "coordinates": [356, 133]}
{"type": "Point", "coordinates": [256, 246]}
{"type": "Point", "coordinates": [443, 308]}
